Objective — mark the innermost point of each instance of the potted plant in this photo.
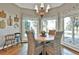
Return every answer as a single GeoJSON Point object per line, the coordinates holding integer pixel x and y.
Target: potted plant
{"type": "Point", "coordinates": [43, 33]}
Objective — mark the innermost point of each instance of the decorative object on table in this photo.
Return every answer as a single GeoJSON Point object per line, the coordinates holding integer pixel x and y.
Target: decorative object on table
{"type": "Point", "coordinates": [2, 14]}
{"type": "Point", "coordinates": [43, 33]}
{"type": "Point", "coordinates": [2, 24]}
{"type": "Point", "coordinates": [16, 19]}
{"type": "Point", "coordinates": [10, 21]}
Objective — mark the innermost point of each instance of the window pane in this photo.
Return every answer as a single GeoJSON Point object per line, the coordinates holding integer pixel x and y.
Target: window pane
{"type": "Point", "coordinates": [49, 25]}
{"type": "Point", "coordinates": [68, 26]}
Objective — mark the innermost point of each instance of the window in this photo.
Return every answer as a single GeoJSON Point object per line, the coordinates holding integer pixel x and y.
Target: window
{"type": "Point", "coordinates": [71, 31]}
{"type": "Point", "coordinates": [68, 26]}
{"type": "Point", "coordinates": [49, 25]}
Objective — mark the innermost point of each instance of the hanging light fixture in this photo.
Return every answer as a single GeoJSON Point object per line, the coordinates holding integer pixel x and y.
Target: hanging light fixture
{"type": "Point", "coordinates": [42, 10]}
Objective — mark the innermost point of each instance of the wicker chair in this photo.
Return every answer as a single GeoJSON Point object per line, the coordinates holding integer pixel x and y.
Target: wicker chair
{"type": "Point", "coordinates": [52, 32]}
{"type": "Point", "coordinates": [34, 48]}
{"type": "Point", "coordinates": [54, 47]}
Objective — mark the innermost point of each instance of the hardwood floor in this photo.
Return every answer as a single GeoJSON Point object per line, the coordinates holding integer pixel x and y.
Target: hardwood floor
{"type": "Point", "coordinates": [22, 50]}
{"type": "Point", "coordinates": [15, 50]}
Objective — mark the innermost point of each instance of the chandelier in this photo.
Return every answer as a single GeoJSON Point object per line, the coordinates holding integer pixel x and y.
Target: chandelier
{"type": "Point", "coordinates": [42, 10]}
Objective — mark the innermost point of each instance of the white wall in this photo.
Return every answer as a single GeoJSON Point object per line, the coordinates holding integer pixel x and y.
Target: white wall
{"type": "Point", "coordinates": [10, 10]}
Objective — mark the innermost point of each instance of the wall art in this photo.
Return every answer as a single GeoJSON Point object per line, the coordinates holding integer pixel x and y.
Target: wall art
{"type": "Point", "coordinates": [2, 24]}
{"type": "Point", "coordinates": [2, 14]}
{"type": "Point", "coordinates": [16, 19]}
{"type": "Point", "coordinates": [10, 21]}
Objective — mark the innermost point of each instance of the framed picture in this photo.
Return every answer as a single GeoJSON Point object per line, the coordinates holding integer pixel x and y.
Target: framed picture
{"type": "Point", "coordinates": [2, 14]}
{"type": "Point", "coordinates": [2, 24]}
{"type": "Point", "coordinates": [10, 21]}
{"type": "Point", "coordinates": [16, 19]}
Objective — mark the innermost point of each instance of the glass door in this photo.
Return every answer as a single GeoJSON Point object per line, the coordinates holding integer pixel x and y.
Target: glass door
{"type": "Point", "coordinates": [28, 25]}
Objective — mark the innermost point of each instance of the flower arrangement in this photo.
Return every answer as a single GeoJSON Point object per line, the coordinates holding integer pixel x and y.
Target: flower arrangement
{"type": "Point", "coordinates": [43, 33]}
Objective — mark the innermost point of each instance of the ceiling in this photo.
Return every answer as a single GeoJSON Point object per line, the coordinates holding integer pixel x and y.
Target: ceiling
{"type": "Point", "coordinates": [32, 5]}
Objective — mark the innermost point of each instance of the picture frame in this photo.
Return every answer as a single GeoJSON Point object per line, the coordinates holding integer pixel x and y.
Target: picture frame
{"type": "Point", "coordinates": [16, 19]}
{"type": "Point", "coordinates": [2, 14]}
{"type": "Point", "coordinates": [2, 24]}
{"type": "Point", "coordinates": [10, 21]}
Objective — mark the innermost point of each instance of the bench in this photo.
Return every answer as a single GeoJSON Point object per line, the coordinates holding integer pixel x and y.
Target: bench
{"type": "Point", "coordinates": [9, 40]}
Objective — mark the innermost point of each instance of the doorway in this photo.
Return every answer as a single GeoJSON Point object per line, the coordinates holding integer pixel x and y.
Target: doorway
{"type": "Point", "coordinates": [27, 25]}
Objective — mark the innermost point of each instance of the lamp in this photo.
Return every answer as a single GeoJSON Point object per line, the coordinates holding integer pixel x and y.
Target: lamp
{"type": "Point", "coordinates": [42, 10]}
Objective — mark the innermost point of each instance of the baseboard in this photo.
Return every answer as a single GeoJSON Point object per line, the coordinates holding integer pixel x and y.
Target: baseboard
{"type": "Point", "coordinates": [5, 47]}
{"type": "Point", "coordinates": [71, 47]}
